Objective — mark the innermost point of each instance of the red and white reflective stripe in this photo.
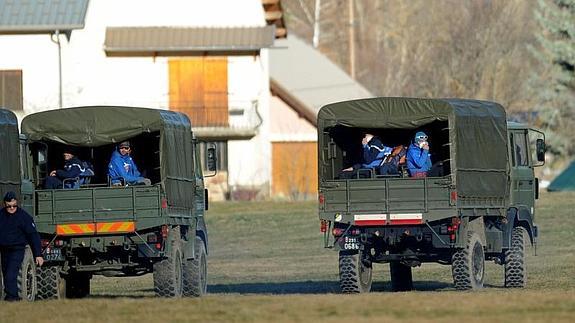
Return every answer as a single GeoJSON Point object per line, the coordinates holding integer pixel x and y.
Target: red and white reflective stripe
{"type": "Point", "coordinates": [382, 219]}
{"type": "Point", "coordinates": [370, 219]}
{"type": "Point", "coordinates": [405, 218]}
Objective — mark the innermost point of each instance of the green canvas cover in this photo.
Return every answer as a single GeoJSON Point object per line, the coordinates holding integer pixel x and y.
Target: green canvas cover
{"type": "Point", "coordinates": [101, 125]}
{"type": "Point", "coordinates": [565, 181]}
{"type": "Point", "coordinates": [478, 134]}
{"type": "Point", "coordinates": [9, 142]}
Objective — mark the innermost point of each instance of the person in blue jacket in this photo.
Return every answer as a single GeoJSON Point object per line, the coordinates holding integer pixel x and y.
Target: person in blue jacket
{"type": "Point", "coordinates": [17, 230]}
{"type": "Point", "coordinates": [374, 152]}
{"type": "Point", "coordinates": [418, 157]}
{"type": "Point", "coordinates": [122, 169]}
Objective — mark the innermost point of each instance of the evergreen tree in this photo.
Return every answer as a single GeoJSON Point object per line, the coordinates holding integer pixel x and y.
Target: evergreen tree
{"type": "Point", "coordinates": [555, 84]}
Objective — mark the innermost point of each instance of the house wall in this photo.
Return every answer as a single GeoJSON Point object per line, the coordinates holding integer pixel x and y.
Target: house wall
{"type": "Point", "coordinates": [294, 153]}
{"type": "Point", "coordinates": [91, 78]}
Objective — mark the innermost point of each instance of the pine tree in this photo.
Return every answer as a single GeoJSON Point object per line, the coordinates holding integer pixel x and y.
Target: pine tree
{"type": "Point", "coordinates": [555, 84]}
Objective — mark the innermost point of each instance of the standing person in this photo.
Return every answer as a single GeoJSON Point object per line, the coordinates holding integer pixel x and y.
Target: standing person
{"type": "Point", "coordinates": [122, 167]}
{"type": "Point", "coordinates": [374, 153]}
{"type": "Point", "coordinates": [72, 169]}
{"type": "Point", "coordinates": [17, 229]}
{"type": "Point", "coordinates": [418, 157]}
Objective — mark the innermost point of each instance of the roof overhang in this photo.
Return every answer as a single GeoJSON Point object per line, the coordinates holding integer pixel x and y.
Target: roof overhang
{"type": "Point", "coordinates": [187, 41]}
{"type": "Point", "coordinates": [223, 133]}
{"type": "Point", "coordinates": [28, 17]}
{"type": "Point", "coordinates": [298, 105]}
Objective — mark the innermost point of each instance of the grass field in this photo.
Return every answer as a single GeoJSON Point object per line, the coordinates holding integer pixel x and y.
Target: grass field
{"type": "Point", "coordinates": [267, 263]}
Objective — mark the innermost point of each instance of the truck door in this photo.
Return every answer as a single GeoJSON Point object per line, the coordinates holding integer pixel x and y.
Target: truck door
{"type": "Point", "coordinates": [522, 176]}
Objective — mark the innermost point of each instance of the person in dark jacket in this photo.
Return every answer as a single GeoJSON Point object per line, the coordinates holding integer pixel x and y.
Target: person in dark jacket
{"type": "Point", "coordinates": [17, 229]}
{"type": "Point", "coordinates": [72, 169]}
{"type": "Point", "coordinates": [374, 152]}
{"type": "Point", "coordinates": [418, 157]}
{"type": "Point", "coordinates": [122, 168]}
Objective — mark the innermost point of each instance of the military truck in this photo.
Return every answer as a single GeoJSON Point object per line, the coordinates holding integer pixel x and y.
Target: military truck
{"type": "Point", "coordinates": [10, 180]}
{"type": "Point", "coordinates": [476, 205]}
{"type": "Point", "coordinates": [98, 228]}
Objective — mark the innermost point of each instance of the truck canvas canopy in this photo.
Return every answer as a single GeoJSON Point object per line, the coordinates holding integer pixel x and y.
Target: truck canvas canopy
{"type": "Point", "coordinates": [96, 126]}
{"type": "Point", "coordinates": [477, 134]}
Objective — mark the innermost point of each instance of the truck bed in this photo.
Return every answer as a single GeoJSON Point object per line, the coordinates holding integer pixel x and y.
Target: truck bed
{"type": "Point", "coordinates": [97, 207]}
{"type": "Point", "coordinates": [428, 199]}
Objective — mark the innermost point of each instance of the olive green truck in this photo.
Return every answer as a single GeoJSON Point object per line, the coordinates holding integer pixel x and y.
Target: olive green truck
{"type": "Point", "coordinates": [97, 228]}
{"type": "Point", "coordinates": [475, 205]}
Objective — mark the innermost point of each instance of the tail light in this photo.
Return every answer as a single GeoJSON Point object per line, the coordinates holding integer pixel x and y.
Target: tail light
{"type": "Point", "coordinates": [165, 232]}
{"type": "Point", "coordinates": [323, 226]}
{"type": "Point", "coordinates": [337, 232]}
{"type": "Point", "coordinates": [452, 229]}
{"type": "Point", "coordinates": [59, 243]}
{"type": "Point", "coordinates": [321, 198]}
{"type": "Point", "coordinates": [164, 203]}
{"type": "Point", "coordinates": [45, 243]}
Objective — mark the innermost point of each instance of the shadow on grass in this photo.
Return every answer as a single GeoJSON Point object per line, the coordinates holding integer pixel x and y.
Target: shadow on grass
{"type": "Point", "coordinates": [312, 287]}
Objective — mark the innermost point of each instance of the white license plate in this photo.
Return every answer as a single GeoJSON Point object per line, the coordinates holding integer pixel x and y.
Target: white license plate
{"type": "Point", "coordinates": [350, 243]}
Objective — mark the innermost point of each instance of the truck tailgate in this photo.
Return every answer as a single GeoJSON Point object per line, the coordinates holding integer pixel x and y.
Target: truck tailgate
{"type": "Point", "coordinates": [429, 197]}
{"type": "Point", "coordinates": [97, 205]}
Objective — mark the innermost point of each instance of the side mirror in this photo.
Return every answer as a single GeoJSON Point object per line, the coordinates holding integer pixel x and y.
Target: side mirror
{"type": "Point", "coordinates": [212, 159]}
{"type": "Point", "coordinates": [540, 148]}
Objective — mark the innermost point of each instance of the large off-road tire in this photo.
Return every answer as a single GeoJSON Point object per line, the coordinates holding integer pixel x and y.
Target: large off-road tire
{"type": "Point", "coordinates": [515, 273]}
{"type": "Point", "coordinates": [468, 264]}
{"type": "Point", "coordinates": [27, 283]}
{"type": "Point", "coordinates": [354, 275]}
{"type": "Point", "coordinates": [50, 284]}
{"type": "Point", "coordinates": [401, 278]}
{"type": "Point", "coordinates": [168, 272]}
{"type": "Point", "coordinates": [77, 285]}
{"type": "Point", "coordinates": [195, 272]}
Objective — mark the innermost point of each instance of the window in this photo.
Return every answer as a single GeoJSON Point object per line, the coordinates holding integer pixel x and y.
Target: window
{"type": "Point", "coordinates": [520, 149]}
{"type": "Point", "coordinates": [11, 89]}
{"type": "Point", "coordinates": [221, 155]}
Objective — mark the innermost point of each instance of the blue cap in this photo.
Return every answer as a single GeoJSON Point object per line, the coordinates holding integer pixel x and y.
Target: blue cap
{"type": "Point", "coordinates": [420, 134]}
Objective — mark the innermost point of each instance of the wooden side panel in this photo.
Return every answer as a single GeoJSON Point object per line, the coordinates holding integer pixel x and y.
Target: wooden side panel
{"type": "Point", "coordinates": [216, 90]}
{"type": "Point", "coordinates": [199, 88]}
{"type": "Point", "coordinates": [294, 169]}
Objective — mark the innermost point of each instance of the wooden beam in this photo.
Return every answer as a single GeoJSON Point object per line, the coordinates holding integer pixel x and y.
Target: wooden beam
{"type": "Point", "coordinates": [273, 15]}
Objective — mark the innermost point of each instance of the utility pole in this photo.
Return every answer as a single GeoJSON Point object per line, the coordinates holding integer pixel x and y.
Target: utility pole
{"type": "Point", "coordinates": [351, 39]}
{"type": "Point", "coordinates": [56, 36]}
{"type": "Point", "coordinates": [316, 24]}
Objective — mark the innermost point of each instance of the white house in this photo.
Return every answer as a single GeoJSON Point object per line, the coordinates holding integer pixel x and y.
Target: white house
{"type": "Point", "coordinates": [208, 59]}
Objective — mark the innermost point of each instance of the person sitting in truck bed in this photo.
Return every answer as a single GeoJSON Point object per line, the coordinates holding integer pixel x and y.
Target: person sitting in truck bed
{"type": "Point", "coordinates": [122, 169]}
{"type": "Point", "coordinates": [72, 169]}
{"type": "Point", "coordinates": [418, 157]}
{"type": "Point", "coordinates": [374, 152]}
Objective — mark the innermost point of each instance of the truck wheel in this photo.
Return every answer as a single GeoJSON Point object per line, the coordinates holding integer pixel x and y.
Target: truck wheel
{"type": "Point", "coordinates": [50, 284]}
{"type": "Point", "coordinates": [468, 264]}
{"type": "Point", "coordinates": [195, 271]}
{"type": "Point", "coordinates": [515, 273]}
{"type": "Point", "coordinates": [27, 283]}
{"type": "Point", "coordinates": [401, 278]}
{"type": "Point", "coordinates": [77, 285]}
{"type": "Point", "coordinates": [354, 275]}
{"type": "Point", "coordinates": [168, 273]}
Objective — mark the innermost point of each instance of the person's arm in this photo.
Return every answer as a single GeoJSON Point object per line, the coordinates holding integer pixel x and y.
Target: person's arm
{"type": "Point", "coordinates": [31, 233]}
{"type": "Point", "coordinates": [419, 156]}
{"type": "Point", "coordinates": [74, 171]}
{"type": "Point", "coordinates": [136, 171]}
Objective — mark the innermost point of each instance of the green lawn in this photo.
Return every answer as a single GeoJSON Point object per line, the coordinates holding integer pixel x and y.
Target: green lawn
{"type": "Point", "coordinates": [267, 262]}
